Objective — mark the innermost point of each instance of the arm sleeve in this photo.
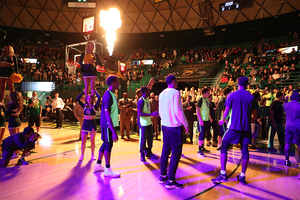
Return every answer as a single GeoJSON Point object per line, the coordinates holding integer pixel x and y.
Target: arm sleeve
{"type": "Point", "coordinates": [79, 101]}
{"type": "Point", "coordinates": [178, 107]}
{"type": "Point", "coordinates": [98, 60]}
{"type": "Point", "coordinates": [9, 110]}
{"type": "Point", "coordinates": [199, 103]}
{"type": "Point", "coordinates": [20, 143]}
{"type": "Point", "coordinates": [16, 64]}
{"type": "Point", "coordinates": [81, 58]}
{"type": "Point", "coordinates": [98, 101]}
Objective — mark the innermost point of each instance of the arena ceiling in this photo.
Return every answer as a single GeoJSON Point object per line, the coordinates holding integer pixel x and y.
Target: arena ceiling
{"type": "Point", "coordinates": [138, 16]}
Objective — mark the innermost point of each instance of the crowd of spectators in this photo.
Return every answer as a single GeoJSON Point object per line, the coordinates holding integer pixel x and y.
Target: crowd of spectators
{"type": "Point", "coordinates": [261, 71]}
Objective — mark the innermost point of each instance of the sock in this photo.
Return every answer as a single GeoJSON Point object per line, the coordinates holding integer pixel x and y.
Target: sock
{"type": "Point", "coordinates": [202, 146]}
{"type": "Point", "coordinates": [107, 166]}
{"type": "Point", "coordinates": [99, 162]}
{"type": "Point", "coordinates": [199, 148]}
{"type": "Point", "coordinates": [286, 157]}
{"type": "Point", "coordinates": [223, 172]}
{"type": "Point", "coordinates": [242, 174]}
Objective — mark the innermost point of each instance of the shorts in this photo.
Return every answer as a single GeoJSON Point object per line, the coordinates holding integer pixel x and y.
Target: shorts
{"type": "Point", "coordinates": [5, 72]}
{"type": "Point", "coordinates": [106, 135]}
{"type": "Point", "coordinates": [2, 122]}
{"type": "Point", "coordinates": [292, 136]}
{"type": "Point", "coordinates": [89, 125]}
{"type": "Point", "coordinates": [235, 137]}
{"type": "Point", "coordinates": [203, 129]}
{"type": "Point", "coordinates": [34, 120]}
{"type": "Point", "coordinates": [14, 122]}
{"type": "Point", "coordinates": [222, 130]}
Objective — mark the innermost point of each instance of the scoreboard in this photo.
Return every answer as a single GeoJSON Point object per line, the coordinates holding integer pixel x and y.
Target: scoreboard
{"type": "Point", "coordinates": [82, 3]}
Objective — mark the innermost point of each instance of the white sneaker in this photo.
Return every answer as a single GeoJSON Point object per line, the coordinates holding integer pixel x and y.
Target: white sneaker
{"type": "Point", "coordinates": [81, 158]}
{"type": "Point", "coordinates": [93, 157]}
{"type": "Point", "coordinates": [98, 167]}
{"type": "Point", "coordinates": [110, 173]}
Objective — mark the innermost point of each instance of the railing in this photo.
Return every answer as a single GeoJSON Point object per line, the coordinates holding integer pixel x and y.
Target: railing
{"type": "Point", "coordinates": [285, 80]}
{"type": "Point", "coordinates": [207, 82]}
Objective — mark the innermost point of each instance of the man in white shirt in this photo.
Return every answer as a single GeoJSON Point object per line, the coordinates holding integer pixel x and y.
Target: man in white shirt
{"type": "Point", "coordinates": [172, 116]}
{"type": "Point", "coordinates": [58, 105]}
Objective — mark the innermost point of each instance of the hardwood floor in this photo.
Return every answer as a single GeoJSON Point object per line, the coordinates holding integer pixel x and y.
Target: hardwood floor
{"type": "Point", "coordinates": [55, 173]}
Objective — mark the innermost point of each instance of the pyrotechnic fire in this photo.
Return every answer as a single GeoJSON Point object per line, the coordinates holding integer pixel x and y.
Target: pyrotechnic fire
{"type": "Point", "coordinates": [111, 21]}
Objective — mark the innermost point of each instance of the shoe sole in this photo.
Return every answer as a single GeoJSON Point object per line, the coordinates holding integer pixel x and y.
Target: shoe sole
{"type": "Point", "coordinates": [112, 176]}
{"type": "Point", "coordinates": [173, 187]}
{"type": "Point", "coordinates": [241, 181]}
{"type": "Point", "coordinates": [162, 182]}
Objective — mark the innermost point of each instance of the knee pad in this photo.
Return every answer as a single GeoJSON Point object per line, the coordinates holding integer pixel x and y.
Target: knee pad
{"type": "Point", "coordinates": [108, 146]}
{"type": "Point", "coordinates": [245, 152]}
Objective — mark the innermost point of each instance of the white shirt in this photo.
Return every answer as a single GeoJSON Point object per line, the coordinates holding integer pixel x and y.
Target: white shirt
{"type": "Point", "coordinates": [58, 103]}
{"type": "Point", "coordinates": [170, 108]}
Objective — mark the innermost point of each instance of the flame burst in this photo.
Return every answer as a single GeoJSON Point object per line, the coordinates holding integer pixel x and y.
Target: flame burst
{"type": "Point", "coordinates": [111, 21]}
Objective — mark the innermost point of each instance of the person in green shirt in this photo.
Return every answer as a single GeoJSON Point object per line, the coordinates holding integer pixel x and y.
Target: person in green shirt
{"type": "Point", "coordinates": [145, 124]}
{"type": "Point", "coordinates": [34, 112]}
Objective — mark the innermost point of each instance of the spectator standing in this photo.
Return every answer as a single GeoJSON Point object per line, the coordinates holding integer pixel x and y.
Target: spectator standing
{"type": "Point", "coordinates": [57, 106]}
{"type": "Point", "coordinates": [35, 112]}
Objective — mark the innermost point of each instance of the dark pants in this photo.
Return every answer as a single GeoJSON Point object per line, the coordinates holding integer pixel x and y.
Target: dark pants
{"type": "Point", "coordinates": [280, 133]}
{"type": "Point", "coordinates": [146, 133]}
{"type": "Point", "coordinates": [264, 129]}
{"type": "Point", "coordinates": [58, 117]}
{"type": "Point", "coordinates": [172, 141]}
{"type": "Point", "coordinates": [215, 127]}
{"type": "Point", "coordinates": [191, 129]}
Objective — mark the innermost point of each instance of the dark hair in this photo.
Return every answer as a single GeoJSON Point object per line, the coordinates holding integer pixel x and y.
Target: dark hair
{"type": "Point", "coordinates": [28, 130]}
{"type": "Point", "coordinates": [144, 89]}
{"type": "Point", "coordinates": [17, 99]}
{"type": "Point", "coordinates": [256, 94]}
{"type": "Point", "coordinates": [295, 95]}
{"type": "Point", "coordinates": [279, 94]}
{"type": "Point", "coordinates": [226, 91]}
{"type": "Point", "coordinates": [204, 90]}
{"type": "Point", "coordinates": [170, 79]}
{"type": "Point", "coordinates": [111, 79]}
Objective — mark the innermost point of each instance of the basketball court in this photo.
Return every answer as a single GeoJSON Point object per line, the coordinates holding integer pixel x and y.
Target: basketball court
{"type": "Point", "coordinates": [55, 173]}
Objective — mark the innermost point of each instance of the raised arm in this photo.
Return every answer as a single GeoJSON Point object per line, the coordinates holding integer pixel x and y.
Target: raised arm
{"type": "Point", "coordinates": [78, 99]}
{"type": "Point", "coordinates": [96, 106]}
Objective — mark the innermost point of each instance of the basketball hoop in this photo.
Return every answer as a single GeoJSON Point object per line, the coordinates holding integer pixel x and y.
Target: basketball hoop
{"type": "Point", "coordinates": [72, 66]}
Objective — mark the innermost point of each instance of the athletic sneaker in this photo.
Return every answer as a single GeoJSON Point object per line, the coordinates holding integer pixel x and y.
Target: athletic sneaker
{"type": "Point", "coordinates": [98, 167]}
{"type": "Point", "coordinates": [81, 158]}
{"type": "Point", "coordinates": [110, 173]}
{"type": "Point", "coordinates": [93, 157]}
{"type": "Point", "coordinates": [201, 154]}
{"type": "Point", "coordinates": [143, 159]}
{"type": "Point", "coordinates": [220, 179]}
{"type": "Point", "coordinates": [287, 163]}
{"type": "Point", "coordinates": [272, 150]}
{"type": "Point", "coordinates": [173, 185]}
{"type": "Point", "coordinates": [219, 148]}
{"type": "Point", "coordinates": [152, 156]}
{"type": "Point", "coordinates": [163, 180]}
{"type": "Point", "coordinates": [205, 150]}
{"type": "Point", "coordinates": [241, 179]}
{"type": "Point", "coordinates": [22, 161]}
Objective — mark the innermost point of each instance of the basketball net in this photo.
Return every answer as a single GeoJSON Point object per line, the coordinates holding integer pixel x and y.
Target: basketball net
{"type": "Point", "coordinates": [72, 67]}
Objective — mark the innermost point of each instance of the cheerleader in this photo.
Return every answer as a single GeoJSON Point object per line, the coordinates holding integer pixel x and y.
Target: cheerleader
{"type": "Point", "coordinates": [89, 122]}
{"type": "Point", "coordinates": [2, 121]}
{"type": "Point", "coordinates": [88, 61]}
{"type": "Point", "coordinates": [8, 65]}
{"type": "Point", "coordinates": [14, 109]}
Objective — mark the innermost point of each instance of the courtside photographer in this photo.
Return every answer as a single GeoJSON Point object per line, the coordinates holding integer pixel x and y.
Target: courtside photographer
{"type": "Point", "coordinates": [24, 141]}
